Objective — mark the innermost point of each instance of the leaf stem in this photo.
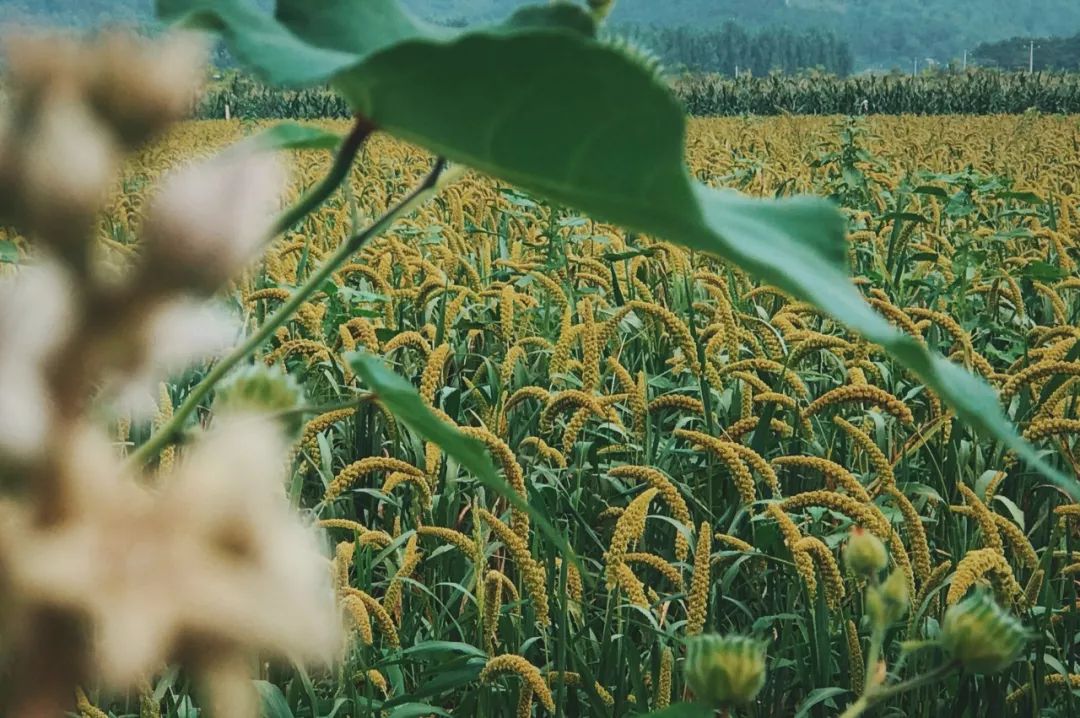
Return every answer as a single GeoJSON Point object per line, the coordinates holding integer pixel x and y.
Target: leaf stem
{"type": "Point", "coordinates": [161, 438]}
{"type": "Point", "coordinates": [339, 171]}
{"type": "Point", "coordinates": [873, 696]}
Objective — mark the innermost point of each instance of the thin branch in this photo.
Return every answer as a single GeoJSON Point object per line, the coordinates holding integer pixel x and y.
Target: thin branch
{"type": "Point", "coordinates": [339, 172]}
{"type": "Point", "coordinates": [163, 436]}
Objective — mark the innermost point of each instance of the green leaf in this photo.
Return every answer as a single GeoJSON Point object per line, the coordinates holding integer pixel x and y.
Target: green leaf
{"type": "Point", "coordinates": [816, 696]}
{"type": "Point", "coordinates": [446, 679]}
{"type": "Point", "coordinates": [682, 710]}
{"type": "Point", "coordinates": [539, 104]}
{"type": "Point", "coordinates": [414, 710]}
{"type": "Point", "coordinates": [9, 253]}
{"type": "Point", "coordinates": [403, 401]}
{"type": "Point", "coordinates": [272, 700]}
{"type": "Point", "coordinates": [445, 647]}
{"type": "Point", "coordinates": [292, 136]}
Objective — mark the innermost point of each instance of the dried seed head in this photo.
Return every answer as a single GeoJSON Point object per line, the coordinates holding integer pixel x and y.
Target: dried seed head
{"type": "Point", "coordinates": [171, 337]}
{"type": "Point", "coordinates": [140, 87]}
{"type": "Point", "coordinates": [725, 670]}
{"type": "Point", "coordinates": [209, 219]}
{"type": "Point", "coordinates": [216, 558]}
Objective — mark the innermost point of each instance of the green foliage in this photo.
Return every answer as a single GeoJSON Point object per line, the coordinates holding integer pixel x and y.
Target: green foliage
{"type": "Point", "coordinates": [729, 49]}
{"type": "Point", "coordinates": [1051, 53]}
{"type": "Point", "coordinates": [975, 92]}
{"type": "Point", "coordinates": [470, 98]}
{"type": "Point", "coordinates": [401, 398]}
{"type": "Point", "coordinates": [292, 136]}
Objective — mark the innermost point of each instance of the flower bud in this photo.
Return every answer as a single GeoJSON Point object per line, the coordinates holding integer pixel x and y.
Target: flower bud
{"type": "Point", "coordinates": [889, 602]}
{"type": "Point", "coordinates": [864, 553]}
{"type": "Point", "coordinates": [263, 390]}
{"type": "Point", "coordinates": [724, 670]}
{"type": "Point", "coordinates": [982, 636]}
{"type": "Point", "coordinates": [209, 220]}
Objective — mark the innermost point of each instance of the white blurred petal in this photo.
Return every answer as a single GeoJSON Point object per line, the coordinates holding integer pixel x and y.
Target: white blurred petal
{"type": "Point", "coordinates": [209, 219]}
{"type": "Point", "coordinates": [35, 312]}
{"type": "Point", "coordinates": [185, 331]}
{"type": "Point", "coordinates": [35, 315]}
{"type": "Point", "coordinates": [178, 335]}
{"type": "Point", "coordinates": [69, 163]}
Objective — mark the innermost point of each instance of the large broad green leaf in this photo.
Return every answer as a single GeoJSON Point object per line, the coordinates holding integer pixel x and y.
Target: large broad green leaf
{"type": "Point", "coordinates": [817, 696]}
{"type": "Point", "coordinates": [539, 102]}
{"type": "Point", "coordinates": [416, 710]}
{"type": "Point", "coordinates": [273, 702]}
{"type": "Point", "coordinates": [291, 136]}
{"type": "Point", "coordinates": [9, 253]}
{"type": "Point", "coordinates": [403, 401]}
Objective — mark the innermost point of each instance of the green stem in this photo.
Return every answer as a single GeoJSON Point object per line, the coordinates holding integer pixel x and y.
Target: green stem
{"type": "Point", "coordinates": [161, 438]}
{"type": "Point", "coordinates": [339, 170]}
{"type": "Point", "coordinates": [877, 636]}
{"type": "Point", "coordinates": [873, 696]}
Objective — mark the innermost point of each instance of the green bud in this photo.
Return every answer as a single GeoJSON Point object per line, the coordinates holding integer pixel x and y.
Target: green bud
{"type": "Point", "coordinates": [864, 553]}
{"type": "Point", "coordinates": [889, 602]}
{"type": "Point", "coordinates": [724, 670]}
{"type": "Point", "coordinates": [981, 635]}
{"type": "Point", "coordinates": [263, 390]}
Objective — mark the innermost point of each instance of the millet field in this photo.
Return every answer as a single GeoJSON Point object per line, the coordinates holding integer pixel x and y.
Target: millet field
{"type": "Point", "coordinates": [706, 445]}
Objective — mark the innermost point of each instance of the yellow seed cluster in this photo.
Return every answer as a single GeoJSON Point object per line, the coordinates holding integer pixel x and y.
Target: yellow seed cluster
{"type": "Point", "coordinates": [531, 571]}
{"type": "Point", "coordinates": [698, 601]}
{"type": "Point", "coordinates": [520, 666]}
{"type": "Point", "coordinates": [976, 564]}
{"type": "Point", "coordinates": [630, 526]}
{"type": "Point", "coordinates": [855, 657]}
{"type": "Point", "coordinates": [668, 493]}
{"type": "Point", "coordinates": [662, 695]}
{"type": "Point", "coordinates": [354, 471]}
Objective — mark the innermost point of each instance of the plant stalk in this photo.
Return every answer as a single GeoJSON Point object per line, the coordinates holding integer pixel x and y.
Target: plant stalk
{"type": "Point", "coordinates": [339, 171]}
{"type": "Point", "coordinates": [163, 436]}
{"type": "Point", "coordinates": [873, 696]}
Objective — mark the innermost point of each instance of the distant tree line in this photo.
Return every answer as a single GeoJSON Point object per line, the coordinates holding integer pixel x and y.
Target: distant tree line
{"type": "Point", "coordinates": [729, 48]}
{"type": "Point", "coordinates": [1051, 53]}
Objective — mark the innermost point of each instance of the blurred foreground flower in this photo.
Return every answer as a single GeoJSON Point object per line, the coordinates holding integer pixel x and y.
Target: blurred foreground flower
{"type": "Point", "coordinates": [982, 636]}
{"type": "Point", "coordinates": [35, 311]}
{"type": "Point", "coordinates": [102, 577]}
{"type": "Point", "coordinates": [235, 196]}
{"type": "Point", "coordinates": [725, 670]}
{"type": "Point", "coordinates": [214, 562]}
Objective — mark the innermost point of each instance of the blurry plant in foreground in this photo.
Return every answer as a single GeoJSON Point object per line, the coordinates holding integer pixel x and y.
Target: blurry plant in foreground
{"type": "Point", "coordinates": [107, 574]}
{"type": "Point", "coordinates": [977, 636]}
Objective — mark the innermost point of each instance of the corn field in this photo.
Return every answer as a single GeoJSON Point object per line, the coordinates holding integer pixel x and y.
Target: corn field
{"type": "Point", "coordinates": [978, 92]}
{"type": "Point", "coordinates": [704, 443]}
